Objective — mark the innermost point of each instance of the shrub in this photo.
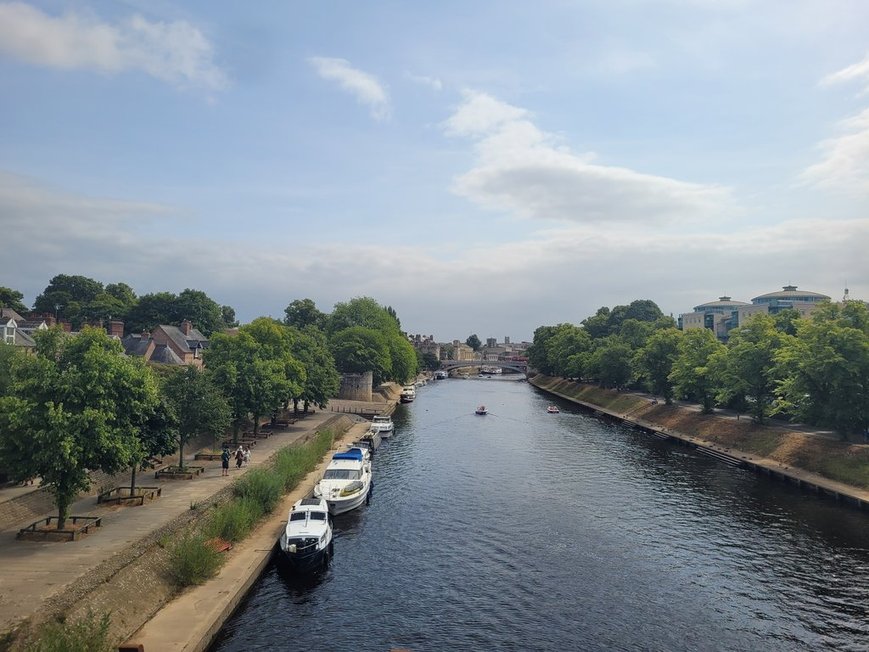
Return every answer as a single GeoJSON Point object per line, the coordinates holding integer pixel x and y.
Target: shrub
{"type": "Point", "coordinates": [262, 486]}
{"type": "Point", "coordinates": [292, 464]}
{"type": "Point", "coordinates": [85, 635]}
{"type": "Point", "coordinates": [233, 520]}
{"type": "Point", "coordinates": [192, 560]}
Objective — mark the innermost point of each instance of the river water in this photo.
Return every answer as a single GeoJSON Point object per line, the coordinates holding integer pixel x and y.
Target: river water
{"type": "Point", "coordinates": [523, 530]}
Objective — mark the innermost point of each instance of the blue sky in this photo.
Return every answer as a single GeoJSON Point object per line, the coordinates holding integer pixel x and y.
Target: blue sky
{"type": "Point", "coordinates": [482, 167]}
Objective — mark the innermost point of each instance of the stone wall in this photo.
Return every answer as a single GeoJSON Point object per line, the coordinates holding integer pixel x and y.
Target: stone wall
{"type": "Point", "coordinates": [356, 387]}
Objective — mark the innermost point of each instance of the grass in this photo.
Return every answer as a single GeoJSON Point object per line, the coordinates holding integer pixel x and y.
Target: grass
{"type": "Point", "coordinates": [262, 487]}
{"type": "Point", "coordinates": [192, 560]}
{"type": "Point", "coordinates": [85, 635]}
{"type": "Point", "coordinates": [234, 520]}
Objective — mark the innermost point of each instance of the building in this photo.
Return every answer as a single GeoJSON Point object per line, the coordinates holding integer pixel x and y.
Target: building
{"type": "Point", "coordinates": [724, 315]}
{"type": "Point", "coordinates": [177, 345]}
{"type": "Point", "coordinates": [425, 344]}
{"type": "Point", "coordinates": [462, 351]}
{"type": "Point", "coordinates": [12, 332]}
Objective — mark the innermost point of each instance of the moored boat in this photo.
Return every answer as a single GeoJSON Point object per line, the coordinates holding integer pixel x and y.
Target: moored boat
{"type": "Point", "coordinates": [383, 425]}
{"type": "Point", "coordinates": [306, 542]}
{"type": "Point", "coordinates": [346, 481]}
{"type": "Point", "coordinates": [553, 409]}
{"type": "Point", "coordinates": [481, 410]}
{"type": "Point", "coordinates": [408, 394]}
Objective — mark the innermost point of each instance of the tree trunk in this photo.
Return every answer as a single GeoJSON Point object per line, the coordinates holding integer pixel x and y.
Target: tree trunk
{"type": "Point", "coordinates": [62, 511]}
{"type": "Point", "coordinates": [306, 407]}
{"type": "Point", "coordinates": [181, 452]}
{"type": "Point", "coordinates": [295, 407]}
{"type": "Point", "coordinates": [133, 480]}
{"type": "Point", "coordinates": [256, 417]}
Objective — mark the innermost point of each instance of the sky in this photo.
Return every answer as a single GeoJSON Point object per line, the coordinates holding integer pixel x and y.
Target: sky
{"type": "Point", "coordinates": [482, 167]}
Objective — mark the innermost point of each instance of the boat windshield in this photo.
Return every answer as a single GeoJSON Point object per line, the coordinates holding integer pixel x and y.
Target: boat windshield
{"type": "Point", "coordinates": [297, 516]}
{"type": "Point", "coordinates": [318, 516]}
{"type": "Point", "coordinates": [382, 419]}
{"type": "Point", "coordinates": [341, 474]}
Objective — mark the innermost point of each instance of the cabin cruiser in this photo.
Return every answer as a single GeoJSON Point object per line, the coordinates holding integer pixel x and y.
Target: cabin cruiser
{"type": "Point", "coordinates": [372, 438]}
{"type": "Point", "coordinates": [383, 425]}
{"type": "Point", "coordinates": [553, 409]}
{"type": "Point", "coordinates": [408, 393]}
{"type": "Point", "coordinates": [306, 542]}
{"type": "Point", "coordinates": [481, 410]}
{"type": "Point", "coordinates": [346, 482]}
{"type": "Point", "coordinates": [440, 374]}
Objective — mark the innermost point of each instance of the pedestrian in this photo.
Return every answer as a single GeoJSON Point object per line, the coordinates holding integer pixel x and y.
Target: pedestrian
{"type": "Point", "coordinates": [239, 457]}
{"type": "Point", "coordinates": [246, 455]}
{"type": "Point", "coordinates": [224, 460]}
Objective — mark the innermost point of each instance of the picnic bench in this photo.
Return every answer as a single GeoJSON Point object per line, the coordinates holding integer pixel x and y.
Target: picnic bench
{"type": "Point", "coordinates": [117, 495]}
{"type": "Point", "coordinates": [42, 529]}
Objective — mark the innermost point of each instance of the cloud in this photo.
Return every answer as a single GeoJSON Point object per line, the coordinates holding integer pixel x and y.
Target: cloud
{"type": "Point", "coordinates": [858, 71]}
{"type": "Point", "coordinates": [174, 52]}
{"type": "Point", "coordinates": [432, 82]}
{"type": "Point", "coordinates": [49, 231]}
{"type": "Point", "coordinates": [526, 171]}
{"type": "Point", "coordinates": [845, 165]}
{"type": "Point", "coordinates": [366, 88]}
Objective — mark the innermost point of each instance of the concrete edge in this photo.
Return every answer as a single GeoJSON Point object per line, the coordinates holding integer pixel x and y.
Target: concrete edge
{"type": "Point", "coordinates": [191, 621]}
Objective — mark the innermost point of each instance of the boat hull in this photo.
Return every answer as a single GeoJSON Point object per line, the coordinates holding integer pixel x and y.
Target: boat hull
{"type": "Point", "coordinates": [307, 562]}
{"type": "Point", "coordinates": [344, 505]}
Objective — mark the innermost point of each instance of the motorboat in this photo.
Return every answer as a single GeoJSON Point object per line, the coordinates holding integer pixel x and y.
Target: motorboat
{"type": "Point", "coordinates": [481, 410]}
{"type": "Point", "coordinates": [346, 481]}
{"type": "Point", "coordinates": [408, 394]}
{"type": "Point", "coordinates": [440, 374]}
{"type": "Point", "coordinates": [383, 425]}
{"type": "Point", "coordinates": [372, 438]}
{"type": "Point", "coordinates": [306, 542]}
{"type": "Point", "coordinates": [553, 409]}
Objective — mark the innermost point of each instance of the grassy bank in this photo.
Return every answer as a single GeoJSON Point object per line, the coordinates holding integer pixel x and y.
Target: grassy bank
{"type": "Point", "coordinates": [838, 461]}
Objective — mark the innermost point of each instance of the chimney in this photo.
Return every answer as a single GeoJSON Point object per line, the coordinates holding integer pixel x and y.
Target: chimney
{"type": "Point", "coordinates": [146, 335]}
{"type": "Point", "coordinates": [186, 327]}
{"type": "Point", "coordinates": [116, 328]}
{"type": "Point", "coordinates": [66, 326]}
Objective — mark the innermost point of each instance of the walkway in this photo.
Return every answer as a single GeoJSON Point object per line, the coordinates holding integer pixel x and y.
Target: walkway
{"type": "Point", "coordinates": [33, 571]}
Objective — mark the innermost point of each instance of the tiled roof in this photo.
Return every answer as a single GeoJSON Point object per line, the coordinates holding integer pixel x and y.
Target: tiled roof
{"type": "Point", "coordinates": [8, 313]}
{"type": "Point", "coordinates": [185, 342]}
{"type": "Point", "coordinates": [164, 355]}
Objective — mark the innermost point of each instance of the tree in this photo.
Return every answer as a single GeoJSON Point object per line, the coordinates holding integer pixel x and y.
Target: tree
{"type": "Point", "coordinates": [358, 349]}
{"type": "Point", "coordinates": [474, 342]}
{"type": "Point", "coordinates": [322, 381]}
{"type": "Point", "coordinates": [747, 366]}
{"type": "Point", "coordinates": [276, 344]}
{"type": "Point", "coordinates": [824, 370]}
{"type": "Point", "coordinates": [656, 360]}
{"type": "Point", "coordinates": [166, 308]}
{"type": "Point", "coordinates": [403, 358]}
{"type": "Point", "coordinates": [427, 360]}
{"type": "Point", "coordinates": [302, 313]}
{"type": "Point", "coordinates": [150, 311]}
{"type": "Point", "coordinates": [76, 406]}
{"type": "Point", "coordinates": [691, 374]}
{"type": "Point", "coordinates": [538, 354]}
{"type": "Point", "coordinates": [361, 311]}
{"type": "Point", "coordinates": [612, 364]}
{"type": "Point", "coordinates": [227, 313]}
{"type": "Point", "coordinates": [12, 299]}
{"type": "Point", "coordinates": [568, 342]}
{"type": "Point", "coordinates": [155, 437]}
{"type": "Point", "coordinates": [68, 297]}
{"type": "Point", "coordinates": [197, 406]}
{"type": "Point", "coordinates": [203, 312]}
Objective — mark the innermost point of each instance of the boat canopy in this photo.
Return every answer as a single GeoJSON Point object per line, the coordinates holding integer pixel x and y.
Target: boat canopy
{"type": "Point", "coordinates": [352, 454]}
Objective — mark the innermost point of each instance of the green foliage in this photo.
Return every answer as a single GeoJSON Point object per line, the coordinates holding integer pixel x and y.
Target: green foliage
{"type": "Point", "coordinates": [292, 464]}
{"type": "Point", "coordinates": [691, 374]}
{"type": "Point", "coordinates": [322, 381]}
{"type": "Point", "coordinates": [233, 521]}
{"type": "Point", "coordinates": [262, 486]}
{"type": "Point", "coordinates": [68, 297]}
{"type": "Point", "coordinates": [77, 406]}
{"type": "Point", "coordinates": [358, 349]}
{"type": "Point", "coordinates": [474, 342]}
{"type": "Point", "coordinates": [192, 560]}
{"type": "Point", "coordinates": [428, 361]}
{"type": "Point", "coordinates": [302, 313]}
{"type": "Point", "coordinates": [197, 407]}
{"type": "Point", "coordinates": [84, 635]}
{"type": "Point", "coordinates": [403, 356]}
{"type": "Point", "coordinates": [12, 299]}
{"type": "Point", "coordinates": [361, 311]}
{"type": "Point", "coordinates": [204, 313]}
{"type": "Point", "coordinates": [611, 364]}
{"type": "Point", "coordinates": [657, 358]}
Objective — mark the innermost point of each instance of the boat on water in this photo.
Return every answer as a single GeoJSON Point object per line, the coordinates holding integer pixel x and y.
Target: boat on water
{"type": "Point", "coordinates": [408, 394]}
{"type": "Point", "coordinates": [346, 482]}
{"type": "Point", "coordinates": [553, 409]}
{"type": "Point", "coordinates": [372, 438]}
{"type": "Point", "coordinates": [481, 410]}
{"type": "Point", "coordinates": [440, 374]}
{"type": "Point", "coordinates": [306, 542]}
{"type": "Point", "coordinates": [383, 425]}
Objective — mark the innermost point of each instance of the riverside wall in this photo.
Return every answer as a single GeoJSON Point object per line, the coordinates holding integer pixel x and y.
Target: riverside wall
{"type": "Point", "coordinates": [641, 419]}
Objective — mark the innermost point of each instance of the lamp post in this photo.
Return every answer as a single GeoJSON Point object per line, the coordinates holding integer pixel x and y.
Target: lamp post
{"type": "Point", "coordinates": [56, 309]}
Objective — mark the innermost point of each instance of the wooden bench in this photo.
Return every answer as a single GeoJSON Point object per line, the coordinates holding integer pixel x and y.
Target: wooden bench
{"type": "Point", "coordinates": [116, 495]}
{"type": "Point", "coordinates": [41, 529]}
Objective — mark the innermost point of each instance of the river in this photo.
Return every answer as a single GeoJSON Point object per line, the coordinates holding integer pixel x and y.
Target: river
{"type": "Point", "coordinates": [523, 530]}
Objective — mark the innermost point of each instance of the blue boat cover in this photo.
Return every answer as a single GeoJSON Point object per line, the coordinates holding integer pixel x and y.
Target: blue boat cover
{"type": "Point", "coordinates": [352, 454]}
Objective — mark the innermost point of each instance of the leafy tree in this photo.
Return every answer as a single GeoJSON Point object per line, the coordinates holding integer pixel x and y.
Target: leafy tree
{"type": "Point", "coordinates": [474, 342]}
{"type": "Point", "coordinates": [205, 313]}
{"type": "Point", "coordinates": [361, 311]}
{"type": "Point", "coordinates": [403, 358]}
{"type": "Point", "coordinates": [747, 367]}
{"type": "Point", "coordinates": [10, 298]}
{"type": "Point", "coordinates": [427, 360]}
{"type": "Point", "coordinates": [68, 297]}
{"type": "Point", "coordinates": [656, 360]}
{"type": "Point", "coordinates": [538, 352]}
{"type": "Point", "coordinates": [302, 313]}
{"type": "Point", "coordinates": [227, 314]}
{"type": "Point", "coordinates": [321, 378]}
{"type": "Point", "coordinates": [156, 437]}
{"type": "Point", "coordinates": [612, 363]}
{"type": "Point", "coordinates": [77, 405]}
{"type": "Point", "coordinates": [166, 308]}
{"type": "Point", "coordinates": [692, 374]}
{"type": "Point", "coordinates": [197, 406]}
{"type": "Point", "coordinates": [597, 325]}
{"type": "Point", "coordinates": [276, 342]}
{"type": "Point", "coordinates": [151, 311]}
{"type": "Point", "coordinates": [391, 312]}
{"type": "Point", "coordinates": [825, 369]}
{"type": "Point", "coordinates": [358, 349]}
{"type": "Point", "coordinates": [104, 306]}
{"type": "Point", "coordinates": [568, 342]}
{"type": "Point", "coordinates": [123, 293]}
{"type": "Point", "coordinates": [786, 321]}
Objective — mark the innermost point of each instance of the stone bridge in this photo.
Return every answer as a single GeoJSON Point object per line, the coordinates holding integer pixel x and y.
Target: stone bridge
{"type": "Point", "coordinates": [515, 365]}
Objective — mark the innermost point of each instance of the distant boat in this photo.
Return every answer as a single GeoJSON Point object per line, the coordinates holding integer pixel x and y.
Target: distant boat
{"type": "Point", "coordinates": [481, 410]}
{"type": "Point", "coordinates": [408, 394]}
{"type": "Point", "coordinates": [440, 374]}
{"type": "Point", "coordinates": [553, 409]}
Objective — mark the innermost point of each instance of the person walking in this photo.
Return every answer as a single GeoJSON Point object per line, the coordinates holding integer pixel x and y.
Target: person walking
{"type": "Point", "coordinates": [224, 460]}
{"type": "Point", "coordinates": [239, 457]}
{"type": "Point", "coordinates": [246, 455]}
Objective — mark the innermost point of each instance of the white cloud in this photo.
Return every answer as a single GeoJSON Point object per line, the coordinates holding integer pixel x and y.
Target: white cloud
{"type": "Point", "coordinates": [365, 87]}
{"type": "Point", "coordinates": [858, 71]}
{"type": "Point", "coordinates": [432, 82]}
{"type": "Point", "coordinates": [176, 52]}
{"type": "Point", "coordinates": [524, 170]}
{"type": "Point", "coordinates": [845, 165]}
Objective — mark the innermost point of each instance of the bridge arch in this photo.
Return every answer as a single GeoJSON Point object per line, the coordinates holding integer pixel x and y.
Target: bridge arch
{"type": "Point", "coordinates": [521, 367]}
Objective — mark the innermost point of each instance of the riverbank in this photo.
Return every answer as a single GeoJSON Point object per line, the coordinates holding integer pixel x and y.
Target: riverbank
{"type": "Point", "coordinates": [835, 468]}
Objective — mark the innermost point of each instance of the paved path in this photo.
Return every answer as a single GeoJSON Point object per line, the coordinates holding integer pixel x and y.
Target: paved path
{"type": "Point", "coordinates": [33, 571]}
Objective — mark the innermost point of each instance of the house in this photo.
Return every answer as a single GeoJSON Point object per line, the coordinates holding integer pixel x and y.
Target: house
{"type": "Point", "coordinates": [11, 331]}
{"type": "Point", "coordinates": [176, 345]}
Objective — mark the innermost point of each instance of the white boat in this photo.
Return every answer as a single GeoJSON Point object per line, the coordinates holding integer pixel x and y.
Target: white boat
{"type": "Point", "coordinates": [408, 394]}
{"type": "Point", "coordinates": [372, 438]}
{"type": "Point", "coordinates": [383, 425]}
{"type": "Point", "coordinates": [481, 410]}
{"type": "Point", "coordinates": [440, 374]}
{"type": "Point", "coordinates": [553, 409]}
{"type": "Point", "coordinates": [306, 542]}
{"type": "Point", "coordinates": [346, 482]}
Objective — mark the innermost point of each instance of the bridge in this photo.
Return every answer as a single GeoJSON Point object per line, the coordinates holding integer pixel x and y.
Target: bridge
{"type": "Point", "coordinates": [515, 365]}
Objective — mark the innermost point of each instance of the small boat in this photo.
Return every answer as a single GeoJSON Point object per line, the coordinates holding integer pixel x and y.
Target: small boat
{"type": "Point", "coordinates": [440, 374]}
{"type": "Point", "coordinates": [383, 425]}
{"type": "Point", "coordinates": [346, 481]}
{"type": "Point", "coordinates": [408, 394]}
{"type": "Point", "coordinates": [553, 409]}
{"type": "Point", "coordinates": [306, 542]}
{"type": "Point", "coordinates": [481, 410]}
{"type": "Point", "coordinates": [372, 438]}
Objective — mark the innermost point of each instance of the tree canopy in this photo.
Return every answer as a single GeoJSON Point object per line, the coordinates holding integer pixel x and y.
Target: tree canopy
{"type": "Point", "coordinates": [13, 299]}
